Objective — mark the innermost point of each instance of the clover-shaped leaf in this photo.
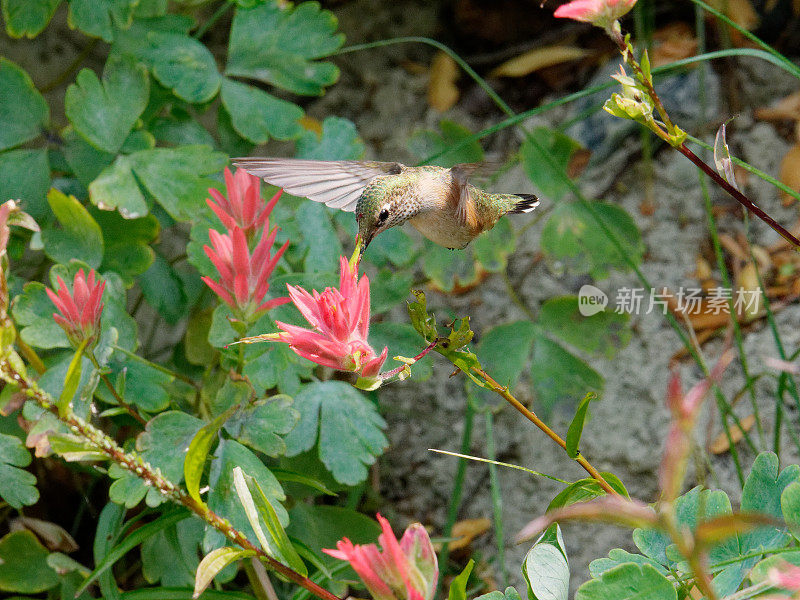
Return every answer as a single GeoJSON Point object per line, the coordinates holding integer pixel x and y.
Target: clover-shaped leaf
{"type": "Point", "coordinates": [338, 141]}
{"type": "Point", "coordinates": [104, 112]}
{"type": "Point", "coordinates": [259, 116]}
{"type": "Point", "coordinates": [278, 44]}
{"type": "Point", "coordinates": [347, 425]}
{"type": "Point", "coordinates": [19, 486]}
{"type": "Point", "coordinates": [27, 18]}
{"type": "Point", "coordinates": [78, 237]}
{"type": "Point", "coordinates": [97, 18]}
{"type": "Point", "coordinates": [260, 425]}
{"type": "Point", "coordinates": [25, 176]}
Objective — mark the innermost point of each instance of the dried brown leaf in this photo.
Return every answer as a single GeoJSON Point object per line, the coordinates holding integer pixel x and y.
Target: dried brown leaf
{"type": "Point", "coordinates": [785, 109]}
{"type": "Point", "coordinates": [674, 42]}
{"type": "Point", "coordinates": [790, 172]}
{"type": "Point", "coordinates": [467, 530]}
{"type": "Point", "coordinates": [720, 443]}
{"type": "Point", "coordinates": [538, 58]}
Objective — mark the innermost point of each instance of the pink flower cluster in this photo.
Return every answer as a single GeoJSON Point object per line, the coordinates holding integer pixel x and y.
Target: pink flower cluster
{"type": "Point", "coordinates": [404, 570]}
{"type": "Point", "coordinates": [80, 310]}
{"type": "Point", "coordinates": [602, 13]}
{"type": "Point", "coordinates": [340, 321]}
{"type": "Point", "coordinates": [243, 274]}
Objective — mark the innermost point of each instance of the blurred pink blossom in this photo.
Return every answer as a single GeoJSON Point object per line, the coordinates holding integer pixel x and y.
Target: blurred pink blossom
{"type": "Point", "coordinates": [340, 321]}
{"type": "Point", "coordinates": [244, 277]}
{"type": "Point", "coordinates": [80, 310]}
{"type": "Point", "coordinates": [404, 570]}
{"type": "Point", "coordinates": [602, 13]}
{"type": "Point", "coordinates": [243, 206]}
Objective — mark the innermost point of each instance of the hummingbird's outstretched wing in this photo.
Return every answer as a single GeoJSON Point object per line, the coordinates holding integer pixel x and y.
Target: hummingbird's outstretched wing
{"type": "Point", "coordinates": [460, 194]}
{"type": "Point", "coordinates": [337, 184]}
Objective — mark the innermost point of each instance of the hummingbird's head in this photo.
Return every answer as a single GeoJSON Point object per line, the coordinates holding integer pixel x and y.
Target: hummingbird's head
{"type": "Point", "coordinates": [375, 217]}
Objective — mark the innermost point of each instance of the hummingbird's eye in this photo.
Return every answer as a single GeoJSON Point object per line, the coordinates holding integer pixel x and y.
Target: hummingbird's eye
{"type": "Point", "coordinates": [383, 215]}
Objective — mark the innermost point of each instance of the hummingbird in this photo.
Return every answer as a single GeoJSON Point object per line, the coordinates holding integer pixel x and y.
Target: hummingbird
{"type": "Point", "coordinates": [439, 202]}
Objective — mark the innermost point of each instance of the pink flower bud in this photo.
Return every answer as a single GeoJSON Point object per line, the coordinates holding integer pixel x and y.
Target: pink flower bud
{"type": "Point", "coordinates": [243, 207]}
{"type": "Point", "coordinates": [602, 13]}
{"type": "Point", "coordinates": [79, 311]}
{"type": "Point", "coordinates": [404, 570]}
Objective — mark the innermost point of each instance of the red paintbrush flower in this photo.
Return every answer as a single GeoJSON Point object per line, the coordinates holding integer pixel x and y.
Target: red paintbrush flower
{"type": "Point", "coordinates": [244, 277]}
{"type": "Point", "coordinates": [602, 13]}
{"type": "Point", "coordinates": [80, 310]}
{"type": "Point", "coordinates": [404, 570]}
{"type": "Point", "coordinates": [243, 207]}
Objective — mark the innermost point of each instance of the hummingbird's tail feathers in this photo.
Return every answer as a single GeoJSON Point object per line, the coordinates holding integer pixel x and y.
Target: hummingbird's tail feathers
{"type": "Point", "coordinates": [525, 204]}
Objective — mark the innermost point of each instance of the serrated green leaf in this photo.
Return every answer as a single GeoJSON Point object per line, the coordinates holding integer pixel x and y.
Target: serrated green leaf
{"type": "Point", "coordinates": [23, 111]}
{"type": "Point", "coordinates": [559, 376]}
{"type": "Point", "coordinates": [546, 569]}
{"type": "Point", "coordinates": [277, 366]}
{"type": "Point", "coordinates": [548, 175]}
{"type": "Point", "coordinates": [174, 176]}
{"type": "Point", "coordinates": [628, 581]}
{"type": "Point", "coordinates": [171, 555]}
{"type": "Point", "coordinates": [104, 112]}
{"type": "Point", "coordinates": [127, 243]}
{"type": "Point", "coordinates": [339, 141]}
{"type": "Point", "coordinates": [183, 65]}
{"type": "Point", "coordinates": [222, 498]}
{"type": "Point", "coordinates": [25, 176]}
{"type": "Point", "coordinates": [143, 385]}
{"type": "Point", "coordinates": [19, 486]}
{"type": "Point", "coordinates": [504, 350]}
{"type": "Point", "coordinates": [277, 43]}
{"type": "Point", "coordinates": [180, 131]}
{"type": "Point", "coordinates": [431, 142]}
{"type": "Point", "coordinates": [573, 241]}
{"type": "Point", "coordinates": [576, 426]}
{"type": "Point", "coordinates": [79, 236]}
{"type": "Point", "coordinates": [262, 424]}
{"type": "Point", "coordinates": [617, 557]}
{"type": "Point", "coordinates": [213, 563]}
{"type": "Point", "coordinates": [601, 334]}
{"type": "Point", "coordinates": [23, 564]}
{"type": "Point", "coordinates": [259, 116]}
{"type": "Point", "coordinates": [97, 18]}
{"type": "Point", "coordinates": [347, 425]}
{"type": "Point", "coordinates": [458, 587]}
{"type": "Point", "coordinates": [324, 248]}
{"type": "Point", "coordinates": [584, 490]}
{"type": "Point", "coordinates": [27, 18]}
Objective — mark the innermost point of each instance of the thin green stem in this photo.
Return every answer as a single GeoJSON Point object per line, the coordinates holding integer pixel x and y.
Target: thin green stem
{"type": "Point", "coordinates": [458, 490]}
{"type": "Point", "coordinates": [120, 400]}
{"type": "Point", "coordinates": [62, 77]}
{"type": "Point", "coordinates": [221, 10]}
{"type": "Point", "coordinates": [158, 367]}
{"type": "Point", "coordinates": [497, 499]}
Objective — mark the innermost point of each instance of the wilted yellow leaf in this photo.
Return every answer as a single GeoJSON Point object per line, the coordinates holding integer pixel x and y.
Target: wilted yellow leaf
{"type": "Point", "coordinates": [538, 58]}
{"type": "Point", "coordinates": [720, 443]}
{"type": "Point", "coordinates": [790, 172]}
{"type": "Point", "coordinates": [442, 90]}
{"type": "Point", "coordinates": [310, 124]}
{"type": "Point", "coordinates": [467, 530]}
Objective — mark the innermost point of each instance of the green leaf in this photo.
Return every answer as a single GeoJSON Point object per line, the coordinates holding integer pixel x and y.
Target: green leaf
{"type": "Point", "coordinates": [574, 241]}
{"type": "Point", "coordinates": [163, 290]}
{"type": "Point", "coordinates": [109, 526]}
{"type": "Point", "coordinates": [180, 130]}
{"type": "Point", "coordinates": [616, 557]}
{"type": "Point", "coordinates": [277, 366]}
{"type": "Point", "coordinates": [19, 486]}
{"type": "Point", "coordinates": [492, 248]}
{"type": "Point", "coordinates": [200, 446]}
{"type": "Point", "coordinates": [324, 248]}
{"type": "Point", "coordinates": [139, 535]}
{"type": "Point", "coordinates": [183, 65]}
{"type": "Point", "coordinates": [430, 142]}
{"type": "Point", "coordinates": [584, 490]}
{"type": "Point", "coordinates": [546, 569]}
{"type": "Point", "coordinates": [601, 334]}
{"type": "Point", "coordinates": [27, 18]}
{"type": "Point", "coordinates": [23, 564]}
{"type": "Point", "coordinates": [127, 243]}
{"type": "Point", "coordinates": [277, 44]}
{"type": "Point", "coordinates": [259, 116]}
{"type": "Point", "coordinates": [86, 161]}
{"type": "Point", "coordinates": [80, 236]}
{"type": "Point", "coordinates": [458, 587]}
{"type": "Point", "coordinates": [509, 594]}
{"type": "Point", "coordinates": [71, 381]}
{"type": "Point", "coordinates": [222, 498]}
{"type": "Point", "coordinates": [504, 350]}
{"type": "Point", "coordinates": [548, 175]}
{"type": "Point", "coordinates": [339, 141]}
{"type": "Point", "coordinates": [213, 563]}
{"type": "Point", "coordinates": [762, 493]}
{"type": "Point", "coordinates": [628, 581]}
{"type": "Point", "coordinates": [97, 18]}
{"type": "Point", "coordinates": [25, 176]}
{"type": "Point", "coordinates": [171, 555]}
{"type": "Point", "coordinates": [260, 425]}
{"type": "Point", "coordinates": [33, 311]}
{"type": "Point", "coordinates": [143, 385]}
{"type": "Point", "coordinates": [23, 111]}
{"type": "Point", "coordinates": [449, 269]}
{"type": "Point", "coordinates": [175, 177]}
{"type": "Point", "coordinates": [559, 376]}
{"type": "Point", "coordinates": [790, 507]}
{"type": "Point", "coordinates": [105, 112]}
{"type": "Point", "coordinates": [347, 425]}
{"type": "Point", "coordinates": [576, 426]}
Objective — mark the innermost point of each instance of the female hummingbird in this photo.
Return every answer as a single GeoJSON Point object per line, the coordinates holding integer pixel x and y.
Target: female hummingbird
{"type": "Point", "coordinates": [439, 202]}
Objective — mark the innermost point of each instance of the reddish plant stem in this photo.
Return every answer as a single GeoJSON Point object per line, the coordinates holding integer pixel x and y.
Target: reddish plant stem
{"type": "Point", "coordinates": [139, 467]}
{"type": "Point", "coordinates": [421, 355]}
